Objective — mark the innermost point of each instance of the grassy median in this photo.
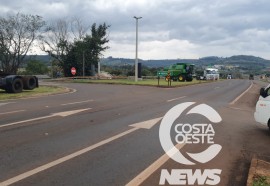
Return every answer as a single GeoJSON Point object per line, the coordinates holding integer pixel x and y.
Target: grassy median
{"type": "Point", "coordinates": [147, 82]}
{"type": "Point", "coordinates": [42, 90]}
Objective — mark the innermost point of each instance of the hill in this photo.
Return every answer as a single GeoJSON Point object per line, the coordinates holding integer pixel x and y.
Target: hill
{"type": "Point", "coordinates": [239, 60]}
{"type": "Point", "coordinates": [244, 63]}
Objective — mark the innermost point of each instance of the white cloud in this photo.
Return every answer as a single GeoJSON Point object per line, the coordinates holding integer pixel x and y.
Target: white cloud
{"type": "Point", "coordinates": [200, 27]}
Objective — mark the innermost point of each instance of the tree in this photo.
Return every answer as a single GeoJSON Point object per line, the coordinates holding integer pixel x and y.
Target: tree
{"type": "Point", "coordinates": [91, 47]}
{"type": "Point", "coordinates": [17, 34]}
{"type": "Point", "coordinates": [36, 67]}
{"type": "Point", "coordinates": [69, 42]}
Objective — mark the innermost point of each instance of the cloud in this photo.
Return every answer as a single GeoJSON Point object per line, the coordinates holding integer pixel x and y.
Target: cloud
{"type": "Point", "coordinates": [175, 28]}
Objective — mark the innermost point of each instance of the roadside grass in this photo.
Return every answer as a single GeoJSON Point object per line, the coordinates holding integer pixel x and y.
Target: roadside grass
{"type": "Point", "coordinates": [259, 180]}
{"type": "Point", "coordinates": [42, 90]}
{"type": "Point", "coordinates": [147, 82]}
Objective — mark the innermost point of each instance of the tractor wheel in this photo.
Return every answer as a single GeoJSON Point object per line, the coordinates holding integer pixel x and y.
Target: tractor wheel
{"type": "Point", "coordinates": [189, 78]}
{"type": "Point", "coordinates": [181, 78]}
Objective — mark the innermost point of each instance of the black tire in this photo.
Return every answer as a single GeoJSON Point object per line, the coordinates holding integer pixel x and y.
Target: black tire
{"type": "Point", "coordinates": [16, 86]}
{"type": "Point", "coordinates": [29, 83]}
{"type": "Point", "coordinates": [189, 78]}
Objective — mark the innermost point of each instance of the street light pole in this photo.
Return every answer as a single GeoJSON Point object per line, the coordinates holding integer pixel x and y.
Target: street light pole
{"type": "Point", "coordinates": [136, 56]}
{"type": "Point", "coordinates": [83, 63]}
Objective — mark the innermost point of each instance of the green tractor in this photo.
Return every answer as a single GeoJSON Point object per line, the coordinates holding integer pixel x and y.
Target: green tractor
{"type": "Point", "coordinates": [178, 72]}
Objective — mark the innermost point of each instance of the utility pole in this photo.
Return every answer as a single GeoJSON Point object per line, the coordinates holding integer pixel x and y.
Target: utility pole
{"type": "Point", "coordinates": [83, 63]}
{"type": "Point", "coordinates": [136, 56]}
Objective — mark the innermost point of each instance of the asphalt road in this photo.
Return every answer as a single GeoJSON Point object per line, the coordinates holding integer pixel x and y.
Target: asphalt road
{"type": "Point", "coordinates": [85, 137]}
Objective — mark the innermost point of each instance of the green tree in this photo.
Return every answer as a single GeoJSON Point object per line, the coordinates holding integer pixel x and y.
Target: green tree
{"type": "Point", "coordinates": [89, 48]}
{"type": "Point", "coordinates": [17, 34]}
{"type": "Point", "coordinates": [69, 42]}
{"type": "Point", "coordinates": [36, 67]}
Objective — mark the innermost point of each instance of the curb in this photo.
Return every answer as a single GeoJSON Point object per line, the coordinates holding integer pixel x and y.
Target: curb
{"type": "Point", "coordinates": [257, 167]}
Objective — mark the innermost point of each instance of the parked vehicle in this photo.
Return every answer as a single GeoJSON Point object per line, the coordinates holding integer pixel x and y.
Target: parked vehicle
{"type": "Point", "coordinates": [229, 76]}
{"type": "Point", "coordinates": [262, 112]}
{"type": "Point", "coordinates": [16, 83]}
{"type": "Point", "coordinates": [211, 74]}
{"type": "Point", "coordinates": [178, 72]}
{"type": "Point", "coordinates": [251, 77]}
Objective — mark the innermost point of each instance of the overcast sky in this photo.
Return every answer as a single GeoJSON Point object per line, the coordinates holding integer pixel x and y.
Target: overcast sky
{"type": "Point", "coordinates": [169, 29]}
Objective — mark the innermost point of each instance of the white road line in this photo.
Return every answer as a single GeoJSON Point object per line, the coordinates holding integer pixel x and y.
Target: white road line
{"type": "Point", "coordinates": [236, 99]}
{"type": "Point", "coordinates": [62, 114]}
{"type": "Point", "coordinates": [2, 104]}
{"type": "Point", "coordinates": [170, 100]}
{"type": "Point", "coordinates": [216, 87]}
{"type": "Point", "coordinates": [148, 125]}
{"type": "Point", "coordinates": [153, 167]}
{"type": "Point", "coordinates": [12, 112]}
{"type": "Point", "coordinates": [73, 103]}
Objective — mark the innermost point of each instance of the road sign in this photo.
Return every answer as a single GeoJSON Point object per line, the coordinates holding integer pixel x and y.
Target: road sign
{"type": "Point", "coordinates": [73, 71]}
{"type": "Point", "coordinates": [162, 73]}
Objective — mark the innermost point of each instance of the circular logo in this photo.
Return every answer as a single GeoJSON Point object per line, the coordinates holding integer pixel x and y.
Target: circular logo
{"type": "Point", "coordinates": [188, 134]}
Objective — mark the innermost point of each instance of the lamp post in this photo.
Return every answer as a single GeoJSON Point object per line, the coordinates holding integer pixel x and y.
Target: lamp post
{"type": "Point", "coordinates": [136, 56]}
{"type": "Point", "coordinates": [83, 63]}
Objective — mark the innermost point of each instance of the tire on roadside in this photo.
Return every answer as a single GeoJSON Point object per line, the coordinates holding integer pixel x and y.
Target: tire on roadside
{"type": "Point", "coordinates": [16, 86]}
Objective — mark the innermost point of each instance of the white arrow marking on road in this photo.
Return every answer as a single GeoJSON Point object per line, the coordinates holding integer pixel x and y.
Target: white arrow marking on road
{"type": "Point", "coordinates": [62, 114]}
{"type": "Point", "coordinates": [145, 125]}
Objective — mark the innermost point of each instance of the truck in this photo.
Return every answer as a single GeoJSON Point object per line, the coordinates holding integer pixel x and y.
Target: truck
{"type": "Point", "coordinates": [211, 74]}
{"type": "Point", "coordinates": [17, 83]}
{"type": "Point", "coordinates": [178, 72]}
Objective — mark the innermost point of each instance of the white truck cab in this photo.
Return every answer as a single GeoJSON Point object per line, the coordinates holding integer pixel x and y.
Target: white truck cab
{"type": "Point", "coordinates": [211, 74]}
{"type": "Point", "coordinates": [262, 113]}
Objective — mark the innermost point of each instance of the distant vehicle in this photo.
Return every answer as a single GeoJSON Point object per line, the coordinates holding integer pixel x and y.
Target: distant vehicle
{"type": "Point", "coordinates": [251, 77]}
{"type": "Point", "coordinates": [229, 76]}
{"type": "Point", "coordinates": [211, 74]}
{"type": "Point", "coordinates": [16, 83]}
{"type": "Point", "coordinates": [178, 72]}
{"type": "Point", "coordinates": [262, 112]}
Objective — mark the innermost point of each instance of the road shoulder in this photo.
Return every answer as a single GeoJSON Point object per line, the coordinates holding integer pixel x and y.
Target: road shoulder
{"type": "Point", "coordinates": [259, 168]}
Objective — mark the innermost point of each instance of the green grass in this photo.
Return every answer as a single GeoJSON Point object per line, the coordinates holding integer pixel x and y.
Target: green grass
{"type": "Point", "coordinates": [259, 180]}
{"type": "Point", "coordinates": [148, 82]}
{"type": "Point", "coordinates": [42, 90]}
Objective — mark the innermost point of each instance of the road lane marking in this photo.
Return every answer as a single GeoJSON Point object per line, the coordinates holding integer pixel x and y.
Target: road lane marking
{"type": "Point", "coordinates": [145, 125]}
{"type": "Point", "coordinates": [2, 104]}
{"type": "Point", "coordinates": [146, 173]}
{"type": "Point", "coordinates": [11, 112]}
{"type": "Point", "coordinates": [73, 103]}
{"type": "Point", "coordinates": [62, 114]}
{"type": "Point", "coordinates": [236, 99]}
{"type": "Point", "coordinates": [170, 100]}
{"type": "Point", "coordinates": [216, 87]}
